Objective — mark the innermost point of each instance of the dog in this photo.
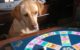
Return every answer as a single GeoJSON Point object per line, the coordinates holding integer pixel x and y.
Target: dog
{"type": "Point", "coordinates": [26, 17]}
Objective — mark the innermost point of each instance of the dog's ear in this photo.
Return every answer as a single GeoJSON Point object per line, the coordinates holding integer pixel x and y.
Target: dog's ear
{"type": "Point", "coordinates": [42, 8]}
{"type": "Point", "coordinates": [16, 13]}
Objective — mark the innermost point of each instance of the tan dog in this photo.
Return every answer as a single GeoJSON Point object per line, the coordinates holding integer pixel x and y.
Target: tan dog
{"type": "Point", "coordinates": [25, 17]}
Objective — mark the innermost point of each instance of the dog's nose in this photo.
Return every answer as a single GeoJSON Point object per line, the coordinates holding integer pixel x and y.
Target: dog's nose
{"type": "Point", "coordinates": [34, 26]}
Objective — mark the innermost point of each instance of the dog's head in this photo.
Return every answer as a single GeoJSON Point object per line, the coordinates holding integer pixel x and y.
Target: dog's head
{"type": "Point", "coordinates": [28, 11]}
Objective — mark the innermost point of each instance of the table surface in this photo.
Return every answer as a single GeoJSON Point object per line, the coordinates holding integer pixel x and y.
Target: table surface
{"type": "Point", "coordinates": [58, 39]}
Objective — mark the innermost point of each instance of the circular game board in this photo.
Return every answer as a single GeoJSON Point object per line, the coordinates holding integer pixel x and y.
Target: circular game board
{"type": "Point", "coordinates": [57, 40]}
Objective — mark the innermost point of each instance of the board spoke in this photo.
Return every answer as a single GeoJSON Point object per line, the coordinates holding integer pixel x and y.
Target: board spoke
{"type": "Point", "coordinates": [65, 38]}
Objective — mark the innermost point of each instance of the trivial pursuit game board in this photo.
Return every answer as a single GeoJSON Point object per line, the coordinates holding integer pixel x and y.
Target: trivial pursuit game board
{"type": "Point", "coordinates": [54, 40]}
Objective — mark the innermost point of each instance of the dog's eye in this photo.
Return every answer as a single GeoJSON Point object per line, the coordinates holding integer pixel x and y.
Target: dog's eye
{"type": "Point", "coordinates": [35, 12]}
{"type": "Point", "coordinates": [26, 15]}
